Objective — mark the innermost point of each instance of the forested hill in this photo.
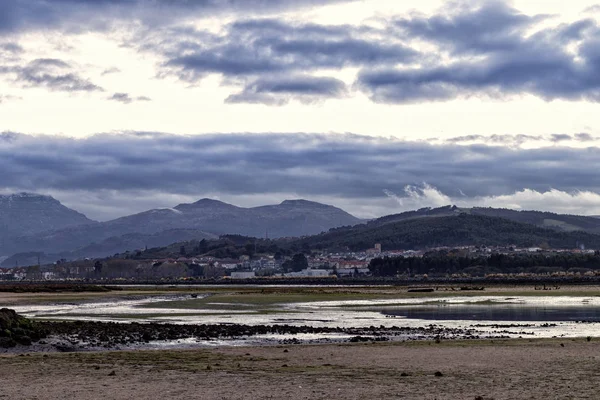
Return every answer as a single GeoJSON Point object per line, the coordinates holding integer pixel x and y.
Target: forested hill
{"type": "Point", "coordinates": [457, 229]}
{"type": "Point", "coordinates": [460, 229]}
{"type": "Point", "coordinates": [558, 222]}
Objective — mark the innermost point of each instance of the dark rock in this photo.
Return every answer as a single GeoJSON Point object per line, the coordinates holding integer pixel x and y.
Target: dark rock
{"type": "Point", "coordinates": [17, 329]}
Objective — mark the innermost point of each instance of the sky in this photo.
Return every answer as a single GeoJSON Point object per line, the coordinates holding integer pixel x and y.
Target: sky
{"type": "Point", "coordinates": [118, 106]}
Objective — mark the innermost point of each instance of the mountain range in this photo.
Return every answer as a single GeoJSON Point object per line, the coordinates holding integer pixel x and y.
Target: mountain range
{"type": "Point", "coordinates": [34, 223]}
{"type": "Point", "coordinates": [26, 214]}
{"type": "Point", "coordinates": [416, 230]}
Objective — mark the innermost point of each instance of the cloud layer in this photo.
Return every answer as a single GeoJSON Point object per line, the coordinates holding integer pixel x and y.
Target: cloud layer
{"type": "Point", "coordinates": [489, 50]}
{"type": "Point", "coordinates": [86, 15]}
{"type": "Point", "coordinates": [486, 49]}
{"type": "Point", "coordinates": [343, 168]}
{"type": "Point", "coordinates": [493, 50]}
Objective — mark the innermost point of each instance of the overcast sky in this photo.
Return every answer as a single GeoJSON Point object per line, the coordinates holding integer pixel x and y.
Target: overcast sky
{"type": "Point", "coordinates": [377, 106]}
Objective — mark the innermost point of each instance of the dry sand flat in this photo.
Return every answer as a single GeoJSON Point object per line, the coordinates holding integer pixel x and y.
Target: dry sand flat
{"type": "Point", "coordinates": [475, 370]}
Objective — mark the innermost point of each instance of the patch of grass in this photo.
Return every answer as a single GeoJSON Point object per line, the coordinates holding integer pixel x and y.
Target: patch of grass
{"type": "Point", "coordinates": [235, 301]}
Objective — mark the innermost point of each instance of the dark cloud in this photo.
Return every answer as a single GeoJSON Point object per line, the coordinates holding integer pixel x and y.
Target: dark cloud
{"type": "Point", "coordinates": [492, 52]}
{"type": "Point", "coordinates": [461, 28]}
{"type": "Point", "coordinates": [85, 15]}
{"type": "Point", "coordinates": [266, 54]}
{"type": "Point", "coordinates": [344, 166]}
{"type": "Point", "coordinates": [483, 49]}
{"type": "Point", "coordinates": [125, 98]}
{"type": "Point", "coordinates": [269, 46]}
{"type": "Point", "coordinates": [279, 91]}
{"type": "Point", "coordinates": [51, 73]}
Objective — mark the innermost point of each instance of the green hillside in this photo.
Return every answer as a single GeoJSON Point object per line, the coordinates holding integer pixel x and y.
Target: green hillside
{"type": "Point", "coordinates": [459, 230]}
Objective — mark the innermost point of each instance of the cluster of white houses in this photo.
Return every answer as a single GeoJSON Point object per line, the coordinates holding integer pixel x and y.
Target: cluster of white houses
{"type": "Point", "coordinates": [345, 264]}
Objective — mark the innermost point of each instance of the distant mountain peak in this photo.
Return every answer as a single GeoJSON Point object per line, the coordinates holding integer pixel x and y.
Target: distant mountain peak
{"type": "Point", "coordinates": [23, 214]}
{"type": "Point", "coordinates": [204, 203]}
{"type": "Point", "coordinates": [208, 202]}
{"type": "Point", "coordinates": [26, 195]}
{"type": "Point", "coordinates": [302, 202]}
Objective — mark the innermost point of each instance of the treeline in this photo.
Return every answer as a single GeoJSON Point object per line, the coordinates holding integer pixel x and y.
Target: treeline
{"type": "Point", "coordinates": [450, 231]}
{"type": "Point", "coordinates": [444, 263]}
{"type": "Point", "coordinates": [227, 246]}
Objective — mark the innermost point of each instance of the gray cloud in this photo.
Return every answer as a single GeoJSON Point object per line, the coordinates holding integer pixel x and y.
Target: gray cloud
{"type": "Point", "coordinates": [10, 48]}
{"type": "Point", "coordinates": [490, 50]}
{"type": "Point", "coordinates": [584, 137]}
{"type": "Point", "coordinates": [518, 140]}
{"type": "Point", "coordinates": [112, 70]}
{"type": "Point", "coordinates": [264, 55]}
{"type": "Point", "coordinates": [9, 53]}
{"type": "Point", "coordinates": [267, 46]}
{"type": "Point", "coordinates": [275, 54]}
{"type": "Point", "coordinates": [278, 91]}
{"type": "Point", "coordinates": [85, 15]}
{"type": "Point", "coordinates": [309, 165]}
{"type": "Point", "coordinates": [488, 27]}
{"type": "Point", "coordinates": [51, 73]}
{"type": "Point", "coordinates": [125, 98]}
{"type": "Point", "coordinates": [492, 53]}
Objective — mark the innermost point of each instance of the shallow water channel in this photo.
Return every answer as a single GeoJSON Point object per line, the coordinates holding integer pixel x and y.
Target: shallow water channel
{"type": "Point", "coordinates": [524, 316]}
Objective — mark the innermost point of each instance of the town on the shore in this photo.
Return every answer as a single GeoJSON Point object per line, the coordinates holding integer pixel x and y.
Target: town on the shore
{"type": "Point", "coordinates": [268, 266]}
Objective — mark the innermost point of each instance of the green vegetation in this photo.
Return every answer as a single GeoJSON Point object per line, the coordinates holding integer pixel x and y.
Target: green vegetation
{"type": "Point", "coordinates": [453, 262]}
{"type": "Point", "coordinates": [450, 231]}
{"type": "Point", "coordinates": [259, 299]}
{"type": "Point", "coordinates": [15, 329]}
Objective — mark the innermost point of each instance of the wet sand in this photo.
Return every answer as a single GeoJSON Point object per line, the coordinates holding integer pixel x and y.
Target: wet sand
{"type": "Point", "coordinates": [513, 369]}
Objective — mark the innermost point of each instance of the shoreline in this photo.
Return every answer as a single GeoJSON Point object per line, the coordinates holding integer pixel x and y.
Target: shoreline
{"type": "Point", "coordinates": [484, 369]}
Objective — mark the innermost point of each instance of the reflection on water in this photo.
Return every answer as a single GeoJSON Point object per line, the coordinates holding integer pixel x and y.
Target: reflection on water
{"type": "Point", "coordinates": [499, 312]}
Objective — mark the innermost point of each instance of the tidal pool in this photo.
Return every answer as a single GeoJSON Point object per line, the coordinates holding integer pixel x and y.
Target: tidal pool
{"type": "Point", "coordinates": [505, 312]}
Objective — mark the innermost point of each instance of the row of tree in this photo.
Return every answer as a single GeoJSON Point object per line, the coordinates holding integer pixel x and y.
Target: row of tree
{"type": "Point", "coordinates": [444, 263]}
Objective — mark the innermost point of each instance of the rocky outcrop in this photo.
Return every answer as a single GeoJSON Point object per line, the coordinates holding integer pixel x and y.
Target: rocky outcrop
{"type": "Point", "coordinates": [16, 329]}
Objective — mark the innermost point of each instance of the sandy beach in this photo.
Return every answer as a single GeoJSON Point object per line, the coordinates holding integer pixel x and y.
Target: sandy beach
{"type": "Point", "coordinates": [514, 369]}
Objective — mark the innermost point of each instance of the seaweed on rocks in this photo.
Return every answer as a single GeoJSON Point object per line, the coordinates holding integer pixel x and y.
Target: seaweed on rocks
{"type": "Point", "coordinates": [16, 329]}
